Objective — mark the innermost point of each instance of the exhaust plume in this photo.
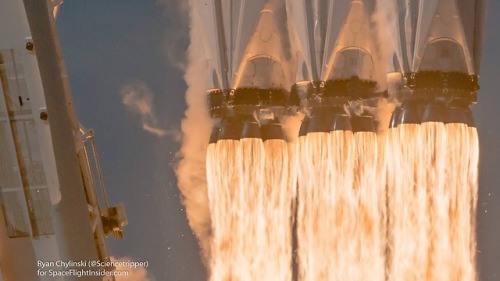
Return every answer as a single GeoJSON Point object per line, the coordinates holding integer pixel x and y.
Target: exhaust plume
{"type": "Point", "coordinates": [196, 126]}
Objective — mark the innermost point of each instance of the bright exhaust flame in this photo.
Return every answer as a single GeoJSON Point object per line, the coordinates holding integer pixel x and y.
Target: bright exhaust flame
{"type": "Point", "coordinates": [408, 228]}
{"type": "Point", "coordinates": [325, 211]}
{"type": "Point", "coordinates": [369, 183]}
{"type": "Point", "coordinates": [397, 206]}
{"type": "Point", "coordinates": [340, 221]}
{"type": "Point", "coordinates": [250, 187]}
{"type": "Point", "coordinates": [461, 201]}
{"type": "Point", "coordinates": [432, 201]}
{"type": "Point", "coordinates": [473, 142]}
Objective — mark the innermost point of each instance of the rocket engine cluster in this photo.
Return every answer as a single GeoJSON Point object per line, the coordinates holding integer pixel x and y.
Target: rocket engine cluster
{"type": "Point", "coordinates": [334, 61]}
{"type": "Point", "coordinates": [379, 179]}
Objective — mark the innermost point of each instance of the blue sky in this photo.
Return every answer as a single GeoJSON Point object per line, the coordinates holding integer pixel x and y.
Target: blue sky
{"type": "Point", "coordinates": [113, 43]}
{"type": "Point", "coordinates": [109, 44]}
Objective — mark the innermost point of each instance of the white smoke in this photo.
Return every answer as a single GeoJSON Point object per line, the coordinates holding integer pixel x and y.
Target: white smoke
{"type": "Point", "coordinates": [138, 99]}
{"type": "Point", "coordinates": [385, 19]}
{"type": "Point", "coordinates": [132, 273]}
{"type": "Point", "coordinates": [196, 127]}
{"type": "Point", "coordinates": [291, 126]}
{"type": "Point", "coordinates": [176, 39]}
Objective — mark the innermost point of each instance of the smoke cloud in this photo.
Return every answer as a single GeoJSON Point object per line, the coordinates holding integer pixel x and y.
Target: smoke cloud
{"type": "Point", "coordinates": [291, 126]}
{"type": "Point", "coordinates": [385, 19]}
{"type": "Point", "coordinates": [177, 39]}
{"type": "Point", "coordinates": [196, 127]}
{"type": "Point", "coordinates": [134, 274]}
{"type": "Point", "coordinates": [138, 99]}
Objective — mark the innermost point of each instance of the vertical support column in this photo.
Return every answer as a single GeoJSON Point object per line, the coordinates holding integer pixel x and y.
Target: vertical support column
{"type": "Point", "coordinates": [71, 215]}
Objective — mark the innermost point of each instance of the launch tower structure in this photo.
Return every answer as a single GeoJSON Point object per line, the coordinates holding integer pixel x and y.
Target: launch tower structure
{"type": "Point", "coordinates": [51, 209]}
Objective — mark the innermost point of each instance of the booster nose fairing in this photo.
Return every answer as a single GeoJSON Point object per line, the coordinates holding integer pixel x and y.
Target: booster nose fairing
{"type": "Point", "coordinates": [251, 63]}
{"type": "Point", "coordinates": [337, 62]}
{"type": "Point", "coordinates": [441, 76]}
